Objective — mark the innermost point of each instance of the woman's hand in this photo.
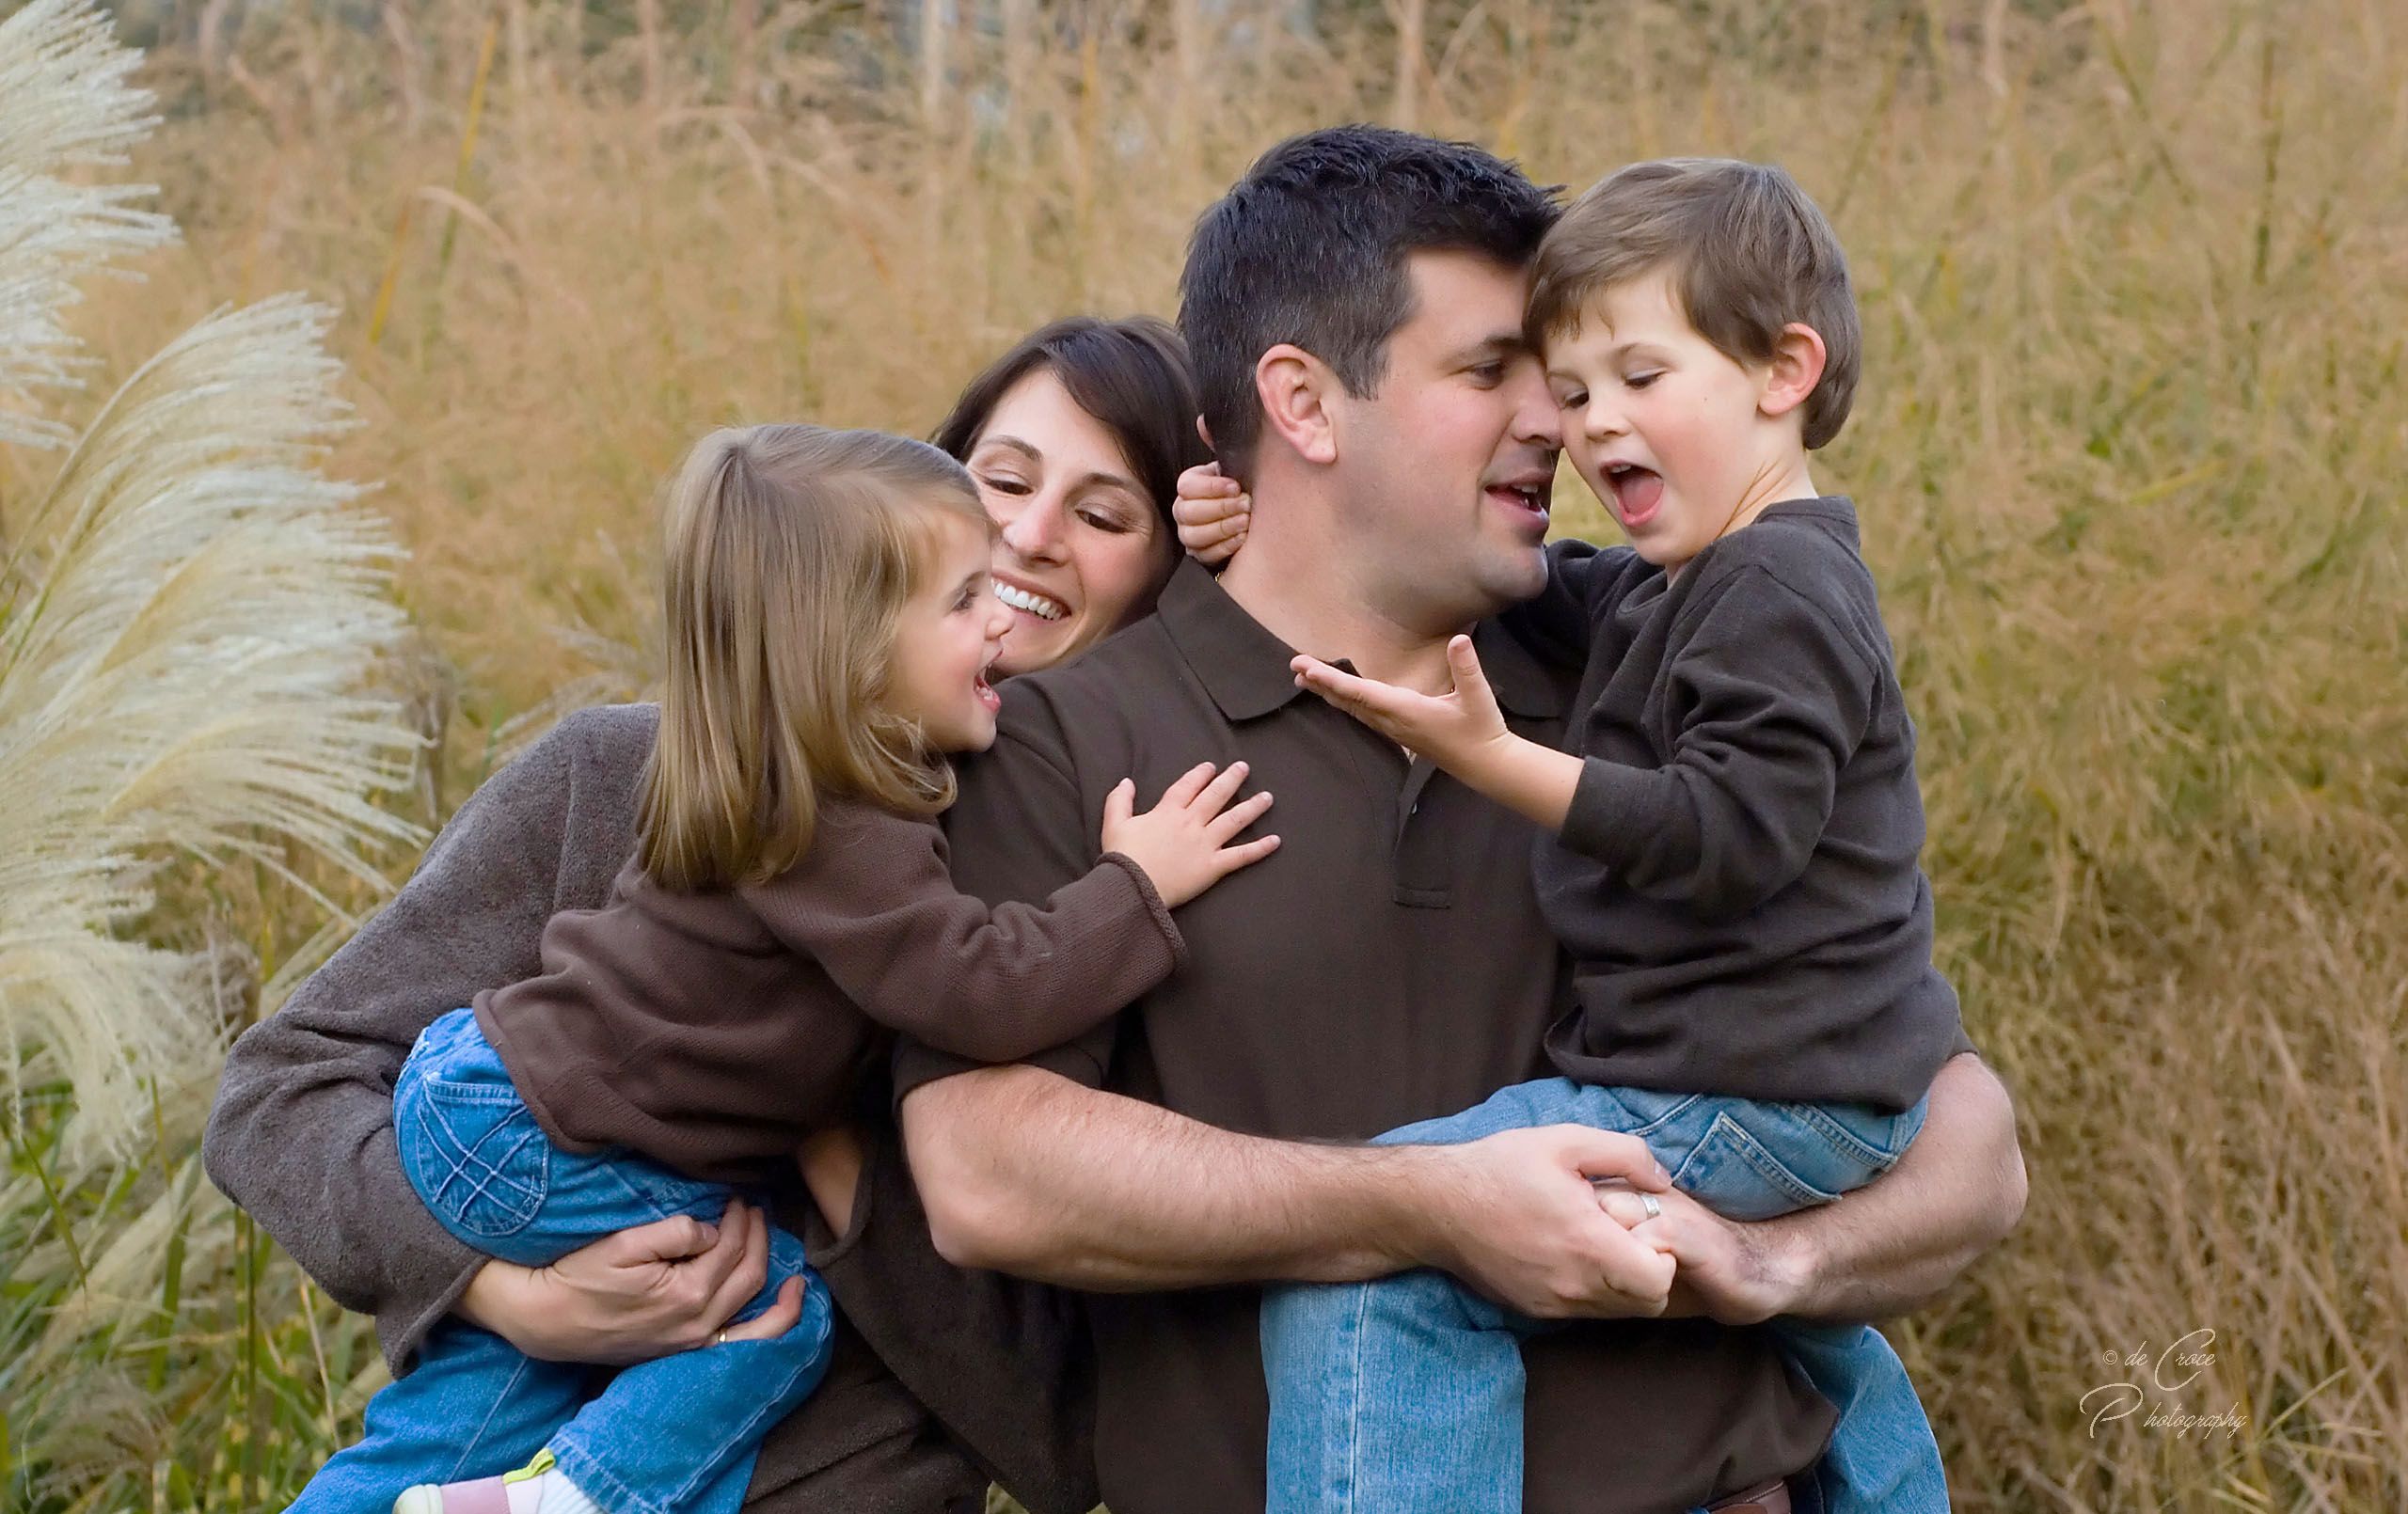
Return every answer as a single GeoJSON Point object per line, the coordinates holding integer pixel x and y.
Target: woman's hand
{"type": "Point", "coordinates": [1212, 512]}
{"type": "Point", "coordinates": [655, 1290]}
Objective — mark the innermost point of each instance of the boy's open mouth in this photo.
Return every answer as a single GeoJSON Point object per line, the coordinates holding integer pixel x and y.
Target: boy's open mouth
{"type": "Point", "coordinates": [1637, 492]}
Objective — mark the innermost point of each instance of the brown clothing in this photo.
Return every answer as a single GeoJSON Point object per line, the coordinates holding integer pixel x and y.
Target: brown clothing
{"type": "Point", "coordinates": [714, 1030]}
{"type": "Point", "coordinates": [1389, 964]}
{"type": "Point", "coordinates": [942, 1379]}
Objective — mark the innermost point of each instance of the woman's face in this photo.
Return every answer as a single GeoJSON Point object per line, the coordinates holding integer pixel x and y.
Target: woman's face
{"type": "Point", "coordinates": [1082, 550]}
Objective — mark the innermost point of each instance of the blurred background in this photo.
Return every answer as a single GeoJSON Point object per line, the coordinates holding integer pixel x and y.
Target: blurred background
{"type": "Point", "coordinates": [2129, 452]}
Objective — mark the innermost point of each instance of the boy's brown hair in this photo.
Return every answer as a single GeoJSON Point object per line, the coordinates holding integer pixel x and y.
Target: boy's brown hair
{"type": "Point", "coordinates": [1747, 252]}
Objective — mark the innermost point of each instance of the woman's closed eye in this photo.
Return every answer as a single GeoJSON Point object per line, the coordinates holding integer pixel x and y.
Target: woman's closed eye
{"type": "Point", "coordinates": [1002, 483]}
{"type": "Point", "coordinates": [1641, 380]}
{"type": "Point", "coordinates": [1108, 513]}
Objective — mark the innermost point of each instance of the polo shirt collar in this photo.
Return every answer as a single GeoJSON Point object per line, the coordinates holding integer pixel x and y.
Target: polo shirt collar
{"type": "Point", "coordinates": [1244, 668]}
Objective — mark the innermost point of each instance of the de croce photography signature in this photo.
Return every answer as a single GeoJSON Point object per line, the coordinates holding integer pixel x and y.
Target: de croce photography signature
{"type": "Point", "coordinates": [2149, 1380]}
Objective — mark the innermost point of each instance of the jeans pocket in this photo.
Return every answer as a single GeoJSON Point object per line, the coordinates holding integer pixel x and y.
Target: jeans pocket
{"type": "Point", "coordinates": [1869, 1135]}
{"type": "Point", "coordinates": [1739, 1177]}
{"type": "Point", "coordinates": [476, 1155]}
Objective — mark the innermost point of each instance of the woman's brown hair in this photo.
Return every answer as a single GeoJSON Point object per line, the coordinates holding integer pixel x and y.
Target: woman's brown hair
{"type": "Point", "coordinates": [1130, 374]}
{"type": "Point", "coordinates": [791, 551]}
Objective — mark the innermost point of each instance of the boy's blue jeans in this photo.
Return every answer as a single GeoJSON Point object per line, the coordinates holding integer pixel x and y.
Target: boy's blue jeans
{"type": "Point", "coordinates": [1405, 1393]}
{"type": "Point", "coordinates": [675, 1434]}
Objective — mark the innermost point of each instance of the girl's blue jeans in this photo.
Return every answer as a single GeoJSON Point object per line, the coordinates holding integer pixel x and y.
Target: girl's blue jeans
{"type": "Point", "coordinates": [679, 1433]}
{"type": "Point", "coordinates": [1405, 1393]}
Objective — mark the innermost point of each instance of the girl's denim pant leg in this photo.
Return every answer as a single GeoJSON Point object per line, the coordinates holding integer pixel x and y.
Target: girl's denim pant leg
{"type": "Point", "coordinates": [1405, 1393]}
{"type": "Point", "coordinates": [674, 1434]}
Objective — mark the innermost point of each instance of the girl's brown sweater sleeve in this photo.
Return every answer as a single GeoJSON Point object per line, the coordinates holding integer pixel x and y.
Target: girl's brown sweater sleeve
{"type": "Point", "coordinates": [875, 905]}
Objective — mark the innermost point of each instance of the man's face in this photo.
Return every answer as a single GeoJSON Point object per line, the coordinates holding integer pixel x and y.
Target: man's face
{"type": "Point", "coordinates": [1447, 466]}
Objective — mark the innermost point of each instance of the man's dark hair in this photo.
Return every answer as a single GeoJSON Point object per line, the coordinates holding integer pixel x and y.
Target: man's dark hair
{"type": "Point", "coordinates": [1131, 375]}
{"type": "Point", "coordinates": [1309, 247]}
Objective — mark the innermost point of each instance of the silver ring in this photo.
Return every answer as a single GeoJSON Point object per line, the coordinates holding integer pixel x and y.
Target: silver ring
{"type": "Point", "coordinates": [1647, 1202]}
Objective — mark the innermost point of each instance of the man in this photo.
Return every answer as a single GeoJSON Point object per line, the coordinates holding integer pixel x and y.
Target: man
{"type": "Point", "coordinates": [1354, 308]}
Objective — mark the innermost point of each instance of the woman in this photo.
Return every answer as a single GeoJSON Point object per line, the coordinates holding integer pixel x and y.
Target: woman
{"type": "Point", "coordinates": [1076, 438]}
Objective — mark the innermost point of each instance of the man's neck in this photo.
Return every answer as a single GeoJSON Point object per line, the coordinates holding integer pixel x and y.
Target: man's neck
{"type": "Point", "coordinates": [1310, 594]}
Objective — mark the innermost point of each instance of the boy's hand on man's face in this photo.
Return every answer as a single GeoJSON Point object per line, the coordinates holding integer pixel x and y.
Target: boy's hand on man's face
{"type": "Point", "coordinates": [1212, 512]}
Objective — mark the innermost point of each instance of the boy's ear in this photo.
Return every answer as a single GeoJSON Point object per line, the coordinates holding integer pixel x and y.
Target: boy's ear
{"type": "Point", "coordinates": [1797, 366]}
{"type": "Point", "coordinates": [1294, 386]}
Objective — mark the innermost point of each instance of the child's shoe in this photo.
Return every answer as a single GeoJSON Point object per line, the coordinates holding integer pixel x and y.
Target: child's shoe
{"type": "Point", "coordinates": [540, 1487]}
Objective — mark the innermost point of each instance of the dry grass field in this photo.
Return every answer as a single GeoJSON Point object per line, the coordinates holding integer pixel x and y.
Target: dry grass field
{"type": "Point", "coordinates": [2129, 450]}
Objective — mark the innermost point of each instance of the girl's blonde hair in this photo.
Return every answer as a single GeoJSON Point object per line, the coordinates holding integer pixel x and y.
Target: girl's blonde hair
{"type": "Point", "coordinates": [791, 551]}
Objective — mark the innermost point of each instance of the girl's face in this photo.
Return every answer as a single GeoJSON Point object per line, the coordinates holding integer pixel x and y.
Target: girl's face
{"type": "Point", "coordinates": [948, 635]}
{"type": "Point", "coordinates": [1082, 550]}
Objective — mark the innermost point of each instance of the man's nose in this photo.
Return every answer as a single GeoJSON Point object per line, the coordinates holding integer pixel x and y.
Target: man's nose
{"type": "Point", "coordinates": [1537, 419]}
{"type": "Point", "coordinates": [1036, 530]}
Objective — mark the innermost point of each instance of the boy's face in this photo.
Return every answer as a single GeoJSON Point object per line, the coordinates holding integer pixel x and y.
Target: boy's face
{"type": "Point", "coordinates": [1663, 426]}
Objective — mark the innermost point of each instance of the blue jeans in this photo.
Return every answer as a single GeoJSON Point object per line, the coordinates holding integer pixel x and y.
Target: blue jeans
{"type": "Point", "coordinates": [1405, 1393]}
{"type": "Point", "coordinates": [674, 1434]}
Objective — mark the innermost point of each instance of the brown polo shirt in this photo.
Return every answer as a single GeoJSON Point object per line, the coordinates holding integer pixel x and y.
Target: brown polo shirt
{"type": "Point", "coordinates": [1388, 964]}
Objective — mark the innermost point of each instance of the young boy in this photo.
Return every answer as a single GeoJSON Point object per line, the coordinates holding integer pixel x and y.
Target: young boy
{"type": "Point", "coordinates": [1736, 828]}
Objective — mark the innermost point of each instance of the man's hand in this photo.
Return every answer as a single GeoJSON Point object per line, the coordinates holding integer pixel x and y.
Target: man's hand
{"type": "Point", "coordinates": [1520, 1222]}
{"type": "Point", "coordinates": [1214, 512]}
{"type": "Point", "coordinates": [655, 1290]}
{"type": "Point", "coordinates": [1730, 1273]}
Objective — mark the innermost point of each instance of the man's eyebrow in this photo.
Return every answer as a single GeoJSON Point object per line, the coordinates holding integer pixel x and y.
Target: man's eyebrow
{"type": "Point", "coordinates": [1497, 345]}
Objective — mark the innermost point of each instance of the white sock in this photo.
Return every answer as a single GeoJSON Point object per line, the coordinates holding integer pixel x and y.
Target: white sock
{"type": "Point", "coordinates": [549, 1493]}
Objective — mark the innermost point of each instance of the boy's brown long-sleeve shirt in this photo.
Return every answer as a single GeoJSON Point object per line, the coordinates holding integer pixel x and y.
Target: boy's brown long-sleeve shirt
{"type": "Point", "coordinates": [713, 1029]}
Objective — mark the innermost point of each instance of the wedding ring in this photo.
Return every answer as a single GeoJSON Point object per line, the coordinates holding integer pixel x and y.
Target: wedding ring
{"type": "Point", "coordinates": [1646, 1201]}
{"type": "Point", "coordinates": [722, 1339]}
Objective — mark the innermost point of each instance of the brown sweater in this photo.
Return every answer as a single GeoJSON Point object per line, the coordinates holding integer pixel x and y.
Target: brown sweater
{"type": "Point", "coordinates": [713, 1029]}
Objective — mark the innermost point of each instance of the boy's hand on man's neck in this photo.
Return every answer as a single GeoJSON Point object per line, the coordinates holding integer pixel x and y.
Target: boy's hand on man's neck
{"type": "Point", "coordinates": [1302, 592]}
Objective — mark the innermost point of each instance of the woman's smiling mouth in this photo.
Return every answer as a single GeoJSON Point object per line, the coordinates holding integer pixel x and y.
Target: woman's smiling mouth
{"type": "Point", "coordinates": [1029, 601]}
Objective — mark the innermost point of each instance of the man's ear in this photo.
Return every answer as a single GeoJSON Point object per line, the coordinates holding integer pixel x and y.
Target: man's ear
{"type": "Point", "coordinates": [1294, 386]}
{"type": "Point", "coordinates": [1797, 366]}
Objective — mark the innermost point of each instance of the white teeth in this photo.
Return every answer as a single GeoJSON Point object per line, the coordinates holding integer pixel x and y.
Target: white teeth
{"type": "Point", "coordinates": [1036, 605]}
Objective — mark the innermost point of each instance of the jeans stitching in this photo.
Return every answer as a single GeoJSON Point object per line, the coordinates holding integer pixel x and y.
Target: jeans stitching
{"type": "Point", "coordinates": [1753, 1152]}
{"type": "Point", "coordinates": [1353, 1470]}
{"type": "Point", "coordinates": [1847, 1141]}
{"type": "Point", "coordinates": [462, 1161]}
{"type": "Point", "coordinates": [467, 1452]}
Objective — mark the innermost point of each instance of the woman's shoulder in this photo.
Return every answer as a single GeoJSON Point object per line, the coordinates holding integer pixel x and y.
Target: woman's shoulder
{"type": "Point", "coordinates": [605, 733]}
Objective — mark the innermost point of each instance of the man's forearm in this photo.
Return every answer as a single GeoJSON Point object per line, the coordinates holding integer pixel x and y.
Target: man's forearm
{"type": "Point", "coordinates": [1023, 1170]}
{"type": "Point", "coordinates": [1894, 1245]}
{"type": "Point", "coordinates": [1179, 1204]}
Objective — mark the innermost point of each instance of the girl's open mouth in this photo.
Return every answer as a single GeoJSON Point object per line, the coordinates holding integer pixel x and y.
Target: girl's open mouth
{"type": "Point", "coordinates": [988, 699]}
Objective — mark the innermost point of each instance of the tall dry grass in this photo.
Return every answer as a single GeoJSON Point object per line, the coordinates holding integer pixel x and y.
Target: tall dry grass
{"type": "Point", "coordinates": [2135, 279]}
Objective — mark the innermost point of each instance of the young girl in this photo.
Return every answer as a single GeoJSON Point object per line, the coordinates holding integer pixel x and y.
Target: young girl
{"type": "Point", "coordinates": [831, 624]}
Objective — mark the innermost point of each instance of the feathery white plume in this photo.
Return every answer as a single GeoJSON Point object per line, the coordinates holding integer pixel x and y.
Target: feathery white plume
{"type": "Point", "coordinates": [63, 103]}
{"type": "Point", "coordinates": [190, 614]}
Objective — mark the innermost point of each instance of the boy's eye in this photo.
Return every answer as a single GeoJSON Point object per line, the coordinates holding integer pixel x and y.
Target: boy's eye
{"type": "Point", "coordinates": [1572, 399]}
